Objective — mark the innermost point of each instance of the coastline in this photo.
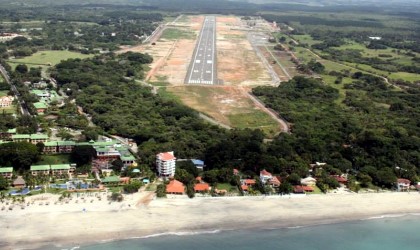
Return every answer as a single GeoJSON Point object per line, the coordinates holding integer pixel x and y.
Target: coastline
{"type": "Point", "coordinates": [61, 226]}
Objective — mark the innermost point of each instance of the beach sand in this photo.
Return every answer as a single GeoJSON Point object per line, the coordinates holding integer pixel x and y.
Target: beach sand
{"type": "Point", "coordinates": [67, 224]}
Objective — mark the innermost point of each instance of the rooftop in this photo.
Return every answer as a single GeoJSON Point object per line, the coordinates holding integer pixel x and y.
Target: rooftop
{"type": "Point", "coordinates": [40, 167]}
{"type": "Point", "coordinates": [175, 186]}
{"type": "Point", "coordinates": [6, 169]}
{"type": "Point", "coordinates": [109, 179]}
{"type": "Point", "coordinates": [200, 187]}
{"type": "Point", "coordinates": [60, 166]}
{"type": "Point", "coordinates": [167, 156]}
{"type": "Point", "coordinates": [38, 136]}
{"type": "Point", "coordinates": [21, 136]}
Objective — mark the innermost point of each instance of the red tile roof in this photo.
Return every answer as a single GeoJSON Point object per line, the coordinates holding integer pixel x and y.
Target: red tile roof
{"type": "Point", "coordinates": [405, 181]}
{"type": "Point", "coordinates": [298, 189]}
{"type": "Point", "coordinates": [274, 181]}
{"type": "Point", "coordinates": [201, 187]}
{"type": "Point", "coordinates": [265, 172]}
{"type": "Point", "coordinates": [340, 178]}
{"type": "Point", "coordinates": [175, 186]}
{"type": "Point", "coordinates": [198, 179]}
{"type": "Point", "coordinates": [167, 156]}
{"type": "Point", "coordinates": [249, 182]}
{"type": "Point", "coordinates": [308, 188]}
{"type": "Point", "coordinates": [244, 187]}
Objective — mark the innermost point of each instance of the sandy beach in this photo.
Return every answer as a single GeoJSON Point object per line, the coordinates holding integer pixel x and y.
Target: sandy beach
{"type": "Point", "coordinates": [95, 221]}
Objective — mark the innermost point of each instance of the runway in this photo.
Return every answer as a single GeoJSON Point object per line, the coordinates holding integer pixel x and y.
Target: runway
{"type": "Point", "coordinates": [202, 69]}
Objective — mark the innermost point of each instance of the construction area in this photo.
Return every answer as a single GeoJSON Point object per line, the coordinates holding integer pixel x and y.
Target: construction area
{"type": "Point", "coordinates": [239, 61]}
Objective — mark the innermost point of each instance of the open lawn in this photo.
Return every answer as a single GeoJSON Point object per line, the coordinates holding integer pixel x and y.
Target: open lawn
{"type": "Point", "coordinates": [47, 58]}
{"type": "Point", "coordinates": [227, 186]}
{"type": "Point", "coordinates": [3, 93]}
{"type": "Point", "coordinates": [54, 159]}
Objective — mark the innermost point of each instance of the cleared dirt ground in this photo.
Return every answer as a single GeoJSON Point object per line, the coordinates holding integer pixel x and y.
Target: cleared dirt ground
{"type": "Point", "coordinates": [237, 62]}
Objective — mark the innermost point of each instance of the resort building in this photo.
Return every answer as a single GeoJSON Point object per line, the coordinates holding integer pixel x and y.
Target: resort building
{"type": "Point", "coordinates": [166, 164]}
{"type": "Point", "coordinates": [60, 169]}
{"type": "Point", "coordinates": [37, 138]}
{"type": "Point", "coordinates": [40, 107]}
{"type": "Point", "coordinates": [6, 101]}
{"type": "Point", "coordinates": [403, 185]}
{"type": "Point", "coordinates": [265, 176]}
{"type": "Point", "coordinates": [109, 180]}
{"type": "Point", "coordinates": [7, 135]}
{"type": "Point", "coordinates": [6, 172]}
{"type": "Point", "coordinates": [175, 187]}
{"type": "Point", "coordinates": [21, 138]}
{"type": "Point", "coordinates": [40, 170]}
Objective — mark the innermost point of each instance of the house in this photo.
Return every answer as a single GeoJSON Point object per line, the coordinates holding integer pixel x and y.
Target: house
{"type": "Point", "coordinates": [199, 164]}
{"type": "Point", "coordinates": [249, 182]}
{"type": "Point", "coordinates": [308, 189]}
{"type": "Point", "coordinates": [298, 190]}
{"type": "Point", "coordinates": [40, 107]}
{"type": "Point", "coordinates": [403, 185]}
{"type": "Point", "coordinates": [6, 172]}
{"type": "Point", "coordinates": [41, 93]}
{"type": "Point", "coordinates": [265, 176]}
{"type": "Point", "coordinates": [37, 138]}
{"type": "Point", "coordinates": [274, 182]}
{"type": "Point", "coordinates": [341, 179]}
{"type": "Point", "coordinates": [60, 169]}
{"type": "Point", "coordinates": [308, 181]}
{"type": "Point", "coordinates": [128, 160]}
{"type": "Point", "coordinates": [201, 187]}
{"type": "Point", "coordinates": [40, 170]}
{"type": "Point", "coordinates": [6, 101]}
{"type": "Point", "coordinates": [175, 187]}
{"type": "Point", "coordinates": [111, 180]}
{"type": "Point", "coordinates": [166, 164]}
{"type": "Point", "coordinates": [245, 188]}
{"type": "Point", "coordinates": [19, 182]}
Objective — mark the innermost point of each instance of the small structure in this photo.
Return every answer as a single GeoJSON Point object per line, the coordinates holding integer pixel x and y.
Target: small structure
{"type": "Point", "coordinates": [265, 176]}
{"type": "Point", "coordinates": [249, 182]}
{"type": "Point", "coordinates": [199, 164]}
{"type": "Point", "coordinates": [166, 164]}
{"type": "Point", "coordinates": [308, 181]}
{"type": "Point", "coordinates": [245, 188]}
{"type": "Point", "coordinates": [375, 38]}
{"type": "Point", "coordinates": [403, 185]}
{"type": "Point", "coordinates": [111, 180]}
{"type": "Point", "coordinates": [19, 182]}
{"type": "Point", "coordinates": [6, 172]}
{"type": "Point", "coordinates": [201, 187]}
{"type": "Point", "coordinates": [308, 189]}
{"type": "Point", "coordinates": [40, 107]}
{"type": "Point", "coordinates": [6, 101]}
{"type": "Point", "coordinates": [298, 190]}
{"type": "Point", "coordinates": [341, 179]}
{"type": "Point", "coordinates": [235, 171]}
{"type": "Point", "coordinates": [175, 187]}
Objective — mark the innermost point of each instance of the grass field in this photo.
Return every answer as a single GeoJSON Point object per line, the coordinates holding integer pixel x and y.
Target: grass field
{"type": "Point", "coordinates": [47, 58]}
{"type": "Point", "coordinates": [3, 92]}
{"type": "Point", "coordinates": [175, 34]}
{"type": "Point", "coordinates": [227, 105]}
{"type": "Point", "coordinates": [54, 159]}
{"type": "Point", "coordinates": [228, 187]}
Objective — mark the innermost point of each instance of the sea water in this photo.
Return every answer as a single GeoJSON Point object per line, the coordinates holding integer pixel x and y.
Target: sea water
{"type": "Point", "coordinates": [380, 233]}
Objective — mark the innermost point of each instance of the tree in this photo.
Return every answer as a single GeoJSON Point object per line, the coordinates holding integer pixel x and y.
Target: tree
{"type": "Point", "coordinates": [117, 165]}
{"type": "Point", "coordinates": [40, 146]}
{"type": "Point", "coordinates": [22, 68]}
{"type": "Point", "coordinates": [64, 135]}
{"type": "Point", "coordinates": [21, 155]}
{"type": "Point", "coordinates": [133, 187]}
{"type": "Point", "coordinates": [82, 155]}
{"type": "Point", "coordinates": [285, 188]}
{"type": "Point", "coordinates": [161, 191]}
{"type": "Point", "coordinates": [183, 176]}
{"type": "Point", "coordinates": [293, 179]}
{"type": "Point", "coordinates": [4, 184]}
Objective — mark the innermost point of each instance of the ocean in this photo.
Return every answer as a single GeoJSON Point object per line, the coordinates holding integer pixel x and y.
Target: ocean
{"type": "Point", "coordinates": [378, 233]}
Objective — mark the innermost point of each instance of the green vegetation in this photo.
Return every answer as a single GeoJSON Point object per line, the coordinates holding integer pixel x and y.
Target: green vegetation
{"type": "Point", "coordinates": [254, 120]}
{"type": "Point", "coordinates": [175, 34]}
{"type": "Point", "coordinates": [54, 159]}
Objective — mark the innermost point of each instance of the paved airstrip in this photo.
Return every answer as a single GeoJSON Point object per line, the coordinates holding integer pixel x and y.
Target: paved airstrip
{"type": "Point", "coordinates": [202, 68]}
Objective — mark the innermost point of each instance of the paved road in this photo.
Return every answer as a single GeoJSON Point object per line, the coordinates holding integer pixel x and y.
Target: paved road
{"type": "Point", "coordinates": [22, 103]}
{"type": "Point", "coordinates": [203, 64]}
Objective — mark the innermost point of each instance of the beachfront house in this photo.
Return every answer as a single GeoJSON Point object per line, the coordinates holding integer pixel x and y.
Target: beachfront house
{"type": "Point", "coordinates": [265, 176]}
{"type": "Point", "coordinates": [201, 187]}
{"type": "Point", "coordinates": [274, 182]}
{"type": "Point", "coordinates": [403, 185]}
{"type": "Point", "coordinates": [40, 170]}
{"type": "Point", "coordinates": [249, 182]}
{"type": "Point", "coordinates": [166, 164]}
{"type": "Point", "coordinates": [308, 181]}
{"type": "Point", "coordinates": [175, 187]}
{"type": "Point", "coordinates": [6, 172]}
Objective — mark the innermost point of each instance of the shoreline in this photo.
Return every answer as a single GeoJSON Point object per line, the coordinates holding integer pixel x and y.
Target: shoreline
{"type": "Point", "coordinates": [53, 227]}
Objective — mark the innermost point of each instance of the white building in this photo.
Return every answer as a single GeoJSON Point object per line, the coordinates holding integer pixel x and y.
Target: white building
{"type": "Point", "coordinates": [166, 164]}
{"type": "Point", "coordinates": [265, 176]}
{"type": "Point", "coordinates": [403, 185]}
{"type": "Point", "coordinates": [6, 101]}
